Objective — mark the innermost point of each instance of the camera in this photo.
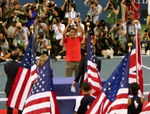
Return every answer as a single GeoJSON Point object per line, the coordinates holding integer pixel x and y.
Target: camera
{"type": "Point", "coordinates": [129, 21]}
{"type": "Point", "coordinates": [71, 1]}
{"type": "Point", "coordinates": [128, 2]}
{"type": "Point", "coordinates": [2, 40]}
{"type": "Point", "coordinates": [51, 5]}
{"type": "Point", "coordinates": [146, 30]}
{"type": "Point", "coordinates": [19, 28]}
{"type": "Point", "coordinates": [117, 24]}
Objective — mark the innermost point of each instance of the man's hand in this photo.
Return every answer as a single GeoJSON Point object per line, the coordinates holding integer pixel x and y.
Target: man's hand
{"type": "Point", "coordinates": [74, 84]}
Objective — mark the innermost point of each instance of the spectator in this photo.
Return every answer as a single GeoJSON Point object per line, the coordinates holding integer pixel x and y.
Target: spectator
{"type": "Point", "coordinates": [135, 102]}
{"type": "Point", "coordinates": [86, 101]}
{"type": "Point", "coordinates": [112, 9]}
{"type": "Point", "coordinates": [72, 43]}
{"type": "Point", "coordinates": [11, 68]}
{"type": "Point", "coordinates": [95, 10]}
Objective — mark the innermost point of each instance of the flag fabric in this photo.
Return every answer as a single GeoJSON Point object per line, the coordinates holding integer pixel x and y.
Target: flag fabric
{"type": "Point", "coordinates": [136, 70]}
{"type": "Point", "coordinates": [146, 108]}
{"type": "Point", "coordinates": [113, 98]}
{"type": "Point", "coordinates": [92, 74]}
{"type": "Point", "coordinates": [42, 98]}
{"type": "Point", "coordinates": [25, 76]}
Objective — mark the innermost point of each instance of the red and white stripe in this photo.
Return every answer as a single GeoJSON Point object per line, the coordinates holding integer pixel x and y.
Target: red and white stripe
{"type": "Point", "coordinates": [41, 103]}
{"type": "Point", "coordinates": [146, 108]}
{"type": "Point", "coordinates": [21, 87]}
{"type": "Point", "coordinates": [93, 77]}
{"type": "Point", "coordinates": [102, 105]}
{"type": "Point", "coordinates": [136, 70]}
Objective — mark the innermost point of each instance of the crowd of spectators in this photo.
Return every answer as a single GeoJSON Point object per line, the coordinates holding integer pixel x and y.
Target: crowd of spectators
{"type": "Point", "coordinates": [48, 22]}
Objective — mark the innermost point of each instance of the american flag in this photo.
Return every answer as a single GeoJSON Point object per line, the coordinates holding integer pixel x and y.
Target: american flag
{"type": "Point", "coordinates": [113, 98]}
{"type": "Point", "coordinates": [136, 70]}
{"type": "Point", "coordinates": [25, 76]}
{"type": "Point", "coordinates": [42, 98]}
{"type": "Point", "coordinates": [92, 74]}
{"type": "Point", "coordinates": [146, 108]}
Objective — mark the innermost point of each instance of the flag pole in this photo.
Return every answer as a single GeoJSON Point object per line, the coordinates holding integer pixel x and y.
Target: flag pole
{"type": "Point", "coordinates": [137, 53]}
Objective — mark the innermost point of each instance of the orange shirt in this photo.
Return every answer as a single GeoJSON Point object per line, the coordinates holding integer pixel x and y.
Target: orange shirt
{"type": "Point", "coordinates": [73, 48]}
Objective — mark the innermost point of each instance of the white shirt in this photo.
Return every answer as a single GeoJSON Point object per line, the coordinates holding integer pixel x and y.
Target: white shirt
{"type": "Point", "coordinates": [59, 35]}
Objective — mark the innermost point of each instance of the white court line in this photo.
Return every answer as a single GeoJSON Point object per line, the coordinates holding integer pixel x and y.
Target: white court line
{"type": "Point", "coordinates": [62, 97]}
{"type": "Point", "coordinates": [58, 98]}
{"type": "Point", "coordinates": [146, 67]}
{"type": "Point", "coordinates": [146, 84]}
{"type": "Point", "coordinates": [2, 92]}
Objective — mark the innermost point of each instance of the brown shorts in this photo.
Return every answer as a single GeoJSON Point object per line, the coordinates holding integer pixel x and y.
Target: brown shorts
{"type": "Point", "coordinates": [71, 66]}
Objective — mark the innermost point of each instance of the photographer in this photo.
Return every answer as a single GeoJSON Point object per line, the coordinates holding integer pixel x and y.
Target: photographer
{"type": "Point", "coordinates": [53, 11]}
{"type": "Point", "coordinates": [58, 29]}
{"type": "Point", "coordinates": [119, 40]}
{"type": "Point", "coordinates": [100, 28]}
{"type": "Point", "coordinates": [4, 47]}
{"type": "Point", "coordinates": [95, 10]}
{"type": "Point", "coordinates": [131, 5]}
{"type": "Point", "coordinates": [17, 12]}
{"type": "Point", "coordinates": [20, 36]}
{"type": "Point", "coordinates": [146, 40]}
{"type": "Point", "coordinates": [41, 44]}
{"type": "Point", "coordinates": [106, 44]}
{"type": "Point", "coordinates": [66, 7]}
{"type": "Point", "coordinates": [112, 9]}
{"type": "Point", "coordinates": [32, 14]}
{"type": "Point", "coordinates": [129, 28]}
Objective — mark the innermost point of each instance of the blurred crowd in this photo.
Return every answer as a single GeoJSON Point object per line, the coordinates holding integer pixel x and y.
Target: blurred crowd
{"type": "Point", "coordinates": [47, 21]}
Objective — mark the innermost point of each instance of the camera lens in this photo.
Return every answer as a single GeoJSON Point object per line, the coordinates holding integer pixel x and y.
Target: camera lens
{"type": "Point", "coordinates": [19, 28]}
{"type": "Point", "coordinates": [117, 25]}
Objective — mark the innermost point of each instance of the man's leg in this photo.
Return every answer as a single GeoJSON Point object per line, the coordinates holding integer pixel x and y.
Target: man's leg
{"type": "Point", "coordinates": [69, 69]}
